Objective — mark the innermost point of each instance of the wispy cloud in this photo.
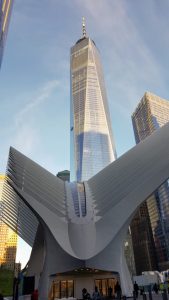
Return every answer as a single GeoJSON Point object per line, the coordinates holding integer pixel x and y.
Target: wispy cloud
{"type": "Point", "coordinates": [23, 132]}
{"type": "Point", "coordinates": [42, 96]}
{"type": "Point", "coordinates": [26, 135]}
{"type": "Point", "coordinates": [26, 139]}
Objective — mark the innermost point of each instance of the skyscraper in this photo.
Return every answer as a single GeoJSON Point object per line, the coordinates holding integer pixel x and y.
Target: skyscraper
{"type": "Point", "coordinates": [151, 113]}
{"type": "Point", "coordinates": [64, 175]}
{"type": "Point", "coordinates": [92, 145]}
{"type": "Point", "coordinates": [8, 239]}
{"type": "Point", "coordinates": [5, 13]}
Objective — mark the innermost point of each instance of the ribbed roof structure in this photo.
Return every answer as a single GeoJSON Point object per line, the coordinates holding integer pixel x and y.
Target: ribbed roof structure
{"type": "Point", "coordinates": [109, 199]}
{"type": "Point", "coordinates": [134, 175]}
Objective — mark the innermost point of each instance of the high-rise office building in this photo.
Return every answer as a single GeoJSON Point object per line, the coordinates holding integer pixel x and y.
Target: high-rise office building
{"type": "Point", "coordinates": [92, 145]}
{"type": "Point", "coordinates": [64, 175]}
{"type": "Point", "coordinates": [5, 13]}
{"type": "Point", "coordinates": [8, 239]}
{"type": "Point", "coordinates": [151, 113]}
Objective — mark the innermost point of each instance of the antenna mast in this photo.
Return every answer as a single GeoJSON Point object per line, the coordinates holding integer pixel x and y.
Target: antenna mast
{"type": "Point", "coordinates": [83, 27]}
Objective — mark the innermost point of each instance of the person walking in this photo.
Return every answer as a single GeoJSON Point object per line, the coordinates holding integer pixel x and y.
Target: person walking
{"type": "Point", "coordinates": [155, 288]}
{"type": "Point", "coordinates": [35, 295]}
{"type": "Point", "coordinates": [96, 294]}
{"type": "Point", "coordinates": [117, 290]}
{"type": "Point", "coordinates": [136, 289]}
{"type": "Point", "coordinates": [110, 291]}
{"type": "Point", "coordinates": [85, 294]}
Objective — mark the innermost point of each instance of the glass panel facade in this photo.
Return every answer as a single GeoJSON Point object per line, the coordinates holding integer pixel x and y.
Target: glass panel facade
{"type": "Point", "coordinates": [92, 146]}
{"type": "Point", "coordinates": [151, 113]}
{"type": "Point", "coordinates": [61, 289]}
{"type": "Point", "coordinates": [104, 286]}
{"type": "Point", "coordinates": [5, 12]}
{"type": "Point", "coordinates": [70, 288]}
{"type": "Point", "coordinates": [79, 198]}
{"type": "Point", "coordinates": [56, 289]}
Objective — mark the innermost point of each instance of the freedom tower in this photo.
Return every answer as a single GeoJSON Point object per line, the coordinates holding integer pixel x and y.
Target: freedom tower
{"type": "Point", "coordinates": [92, 145]}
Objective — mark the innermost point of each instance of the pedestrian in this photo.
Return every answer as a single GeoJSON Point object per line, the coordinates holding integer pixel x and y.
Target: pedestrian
{"type": "Point", "coordinates": [96, 295]}
{"type": "Point", "coordinates": [136, 289]}
{"type": "Point", "coordinates": [110, 291]}
{"type": "Point", "coordinates": [117, 290]}
{"type": "Point", "coordinates": [35, 295]}
{"type": "Point", "coordinates": [85, 294]}
{"type": "Point", "coordinates": [142, 290]}
{"type": "Point", "coordinates": [155, 288]}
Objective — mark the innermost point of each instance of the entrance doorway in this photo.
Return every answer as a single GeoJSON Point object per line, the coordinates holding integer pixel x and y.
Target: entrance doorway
{"type": "Point", "coordinates": [104, 285]}
{"type": "Point", "coordinates": [62, 289]}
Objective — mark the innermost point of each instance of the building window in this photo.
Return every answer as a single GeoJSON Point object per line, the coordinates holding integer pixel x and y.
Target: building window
{"type": "Point", "coordinates": [62, 289]}
{"type": "Point", "coordinates": [104, 284]}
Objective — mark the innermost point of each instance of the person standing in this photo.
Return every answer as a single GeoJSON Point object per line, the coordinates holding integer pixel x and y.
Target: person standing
{"type": "Point", "coordinates": [136, 289]}
{"type": "Point", "coordinates": [35, 295]}
{"type": "Point", "coordinates": [85, 294]}
{"type": "Point", "coordinates": [110, 292]}
{"type": "Point", "coordinates": [155, 288]}
{"type": "Point", "coordinates": [117, 290]}
{"type": "Point", "coordinates": [96, 294]}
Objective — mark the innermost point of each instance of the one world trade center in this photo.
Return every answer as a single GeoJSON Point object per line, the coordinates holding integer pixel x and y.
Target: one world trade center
{"type": "Point", "coordinates": [92, 145]}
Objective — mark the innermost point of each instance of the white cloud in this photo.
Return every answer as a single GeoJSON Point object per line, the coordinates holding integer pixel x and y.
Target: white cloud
{"type": "Point", "coordinates": [42, 96]}
{"type": "Point", "coordinates": [26, 135]}
{"type": "Point", "coordinates": [26, 139]}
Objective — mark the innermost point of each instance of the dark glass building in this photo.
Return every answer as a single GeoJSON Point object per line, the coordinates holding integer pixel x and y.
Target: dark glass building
{"type": "Point", "coordinates": [150, 227]}
{"type": "Point", "coordinates": [64, 175]}
{"type": "Point", "coordinates": [5, 13]}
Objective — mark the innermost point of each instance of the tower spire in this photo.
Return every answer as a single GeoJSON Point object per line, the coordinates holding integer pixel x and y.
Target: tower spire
{"type": "Point", "coordinates": [83, 27]}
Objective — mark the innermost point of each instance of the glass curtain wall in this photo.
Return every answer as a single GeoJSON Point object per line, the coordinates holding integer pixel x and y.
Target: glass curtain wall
{"type": "Point", "coordinates": [152, 113]}
{"type": "Point", "coordinates": [92, 146]}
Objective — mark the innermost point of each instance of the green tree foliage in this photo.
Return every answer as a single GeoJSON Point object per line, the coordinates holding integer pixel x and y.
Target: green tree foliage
{"type": "Point", "coordinates": [6, 282]}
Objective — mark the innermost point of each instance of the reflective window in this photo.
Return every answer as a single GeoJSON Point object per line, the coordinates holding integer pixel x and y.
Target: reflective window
{"type": "Point", "coordinates": [92, 135]}
{"type": "Point", "coordinates": [61, 289]}
{"type": "Point", "coordinates": [106, 285]}
{"type": "Point", "coordinates": [152, 113]}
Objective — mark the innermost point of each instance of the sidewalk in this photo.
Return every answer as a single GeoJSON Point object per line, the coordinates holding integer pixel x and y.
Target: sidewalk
{"type": "Point", "coordinates": [155, 296]}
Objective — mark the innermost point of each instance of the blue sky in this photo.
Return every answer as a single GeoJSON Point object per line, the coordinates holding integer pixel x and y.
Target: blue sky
{"type": "Point", "coordinates": [133, 40]}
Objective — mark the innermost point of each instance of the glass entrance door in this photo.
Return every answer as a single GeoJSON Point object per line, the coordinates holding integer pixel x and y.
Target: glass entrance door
{"type": "Point", "coordinates": [61, 289]}
{"type": "Point", "coordinates": [105, 286]}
